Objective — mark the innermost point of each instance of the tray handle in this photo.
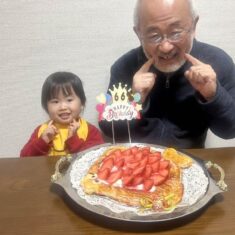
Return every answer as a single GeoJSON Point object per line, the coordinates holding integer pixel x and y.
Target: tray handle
{"type": "Point", "coordinates": [221, 183]}
{"type": "Point", "coordinates": [59, 164]}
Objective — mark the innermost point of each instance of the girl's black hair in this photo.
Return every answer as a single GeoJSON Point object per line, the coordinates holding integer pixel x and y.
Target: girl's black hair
{"type": "Point", "coordinates": [61, 81]}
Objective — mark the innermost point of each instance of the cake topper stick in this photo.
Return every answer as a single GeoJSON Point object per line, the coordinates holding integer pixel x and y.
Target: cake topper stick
{"type": "Point", "coordinates": [113, 133]}
{"type": "Point", "coordinates": [120, 104]}
{"type": "Point", "coordinates": [129, 133]}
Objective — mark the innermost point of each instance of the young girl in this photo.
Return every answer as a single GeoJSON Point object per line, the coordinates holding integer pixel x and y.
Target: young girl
{"type": "Point", "coordinates": [63, 98]}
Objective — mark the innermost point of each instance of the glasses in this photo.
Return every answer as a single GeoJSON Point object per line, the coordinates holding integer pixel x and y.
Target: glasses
{"type": "Point", "coordinates": [173, 37]}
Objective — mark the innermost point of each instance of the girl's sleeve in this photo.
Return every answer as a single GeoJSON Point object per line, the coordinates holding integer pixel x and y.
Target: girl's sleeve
{"type": "Point", "coordinates": [35, 146]}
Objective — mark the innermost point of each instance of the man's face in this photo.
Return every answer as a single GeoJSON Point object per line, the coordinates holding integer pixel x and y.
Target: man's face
{"type": "Point", "coordinates": [166, 31]}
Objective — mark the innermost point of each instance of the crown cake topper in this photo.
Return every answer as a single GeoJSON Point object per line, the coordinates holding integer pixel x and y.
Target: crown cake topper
{"type": "Point", "coordinates": [120, 104]}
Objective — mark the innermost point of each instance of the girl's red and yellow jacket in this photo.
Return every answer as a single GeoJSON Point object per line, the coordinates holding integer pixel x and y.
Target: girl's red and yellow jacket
{"type": "Point", "coordinates": [87, 136]}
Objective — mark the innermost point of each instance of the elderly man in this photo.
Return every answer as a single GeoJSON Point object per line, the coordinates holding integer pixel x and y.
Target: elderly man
{"type": "Point", "coordinates": [186, 86]}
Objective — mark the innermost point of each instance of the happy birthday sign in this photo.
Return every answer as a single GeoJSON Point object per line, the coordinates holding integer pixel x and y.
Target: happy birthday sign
{"type": "Point", "coordinates": [120, 104]}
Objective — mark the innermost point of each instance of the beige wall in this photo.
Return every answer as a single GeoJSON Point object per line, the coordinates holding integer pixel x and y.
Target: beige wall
{"type": "Point", "coordinates": [39, 37]}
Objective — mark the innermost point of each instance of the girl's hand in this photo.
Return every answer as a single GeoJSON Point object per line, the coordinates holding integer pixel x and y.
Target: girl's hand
{"type": "Point", "coordinates": [49, 134]}
{"type": "Point", "coordinates": [73, 127]}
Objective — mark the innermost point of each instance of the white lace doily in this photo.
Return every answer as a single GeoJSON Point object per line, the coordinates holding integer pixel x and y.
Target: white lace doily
{"type": "Point", "coordinates": [194, 180]}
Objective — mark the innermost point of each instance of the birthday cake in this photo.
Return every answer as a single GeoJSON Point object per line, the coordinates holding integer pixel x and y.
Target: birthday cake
{"type": "Point", "coordinates": [138, 178]}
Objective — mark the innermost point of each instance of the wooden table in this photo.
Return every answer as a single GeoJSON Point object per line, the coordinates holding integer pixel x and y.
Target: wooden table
{"type": "Point", "coordinates": [29, 206]}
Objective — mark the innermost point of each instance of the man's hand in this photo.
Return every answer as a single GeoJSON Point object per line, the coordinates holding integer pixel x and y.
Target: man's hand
{"type": "Point", "coordinates": [143, 80]}
{"type": "Point", "coordinates": [73, 126]}
{"type": "Point", "coordinates": [49, 134]}
{"type": "Point", "coordinates": [202, 77]}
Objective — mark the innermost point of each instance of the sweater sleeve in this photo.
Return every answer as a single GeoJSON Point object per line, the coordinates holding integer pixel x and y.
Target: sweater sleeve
{"type": "Point", "coordinates": [221, 110]}
{"type": "Point", "coordinates": [35, 146]}
{"type": "Point", "coordinates": [75, 144]}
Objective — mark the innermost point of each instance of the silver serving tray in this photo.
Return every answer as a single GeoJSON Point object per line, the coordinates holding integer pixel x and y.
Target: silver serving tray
{"type": "Point", "coordinates": [63, 181]}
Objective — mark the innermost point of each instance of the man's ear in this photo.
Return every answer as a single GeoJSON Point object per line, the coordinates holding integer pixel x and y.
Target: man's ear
{"type": "Point", "coordinates": [137, 32]}
{"type": "Point", "coordinates": [195, 25]}
{"type": "Point", "coordinates": [195, 22]}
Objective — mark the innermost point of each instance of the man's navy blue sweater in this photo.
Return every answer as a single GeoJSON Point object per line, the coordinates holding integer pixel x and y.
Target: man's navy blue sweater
{"type": "Point", "coordinates": [175, 114]}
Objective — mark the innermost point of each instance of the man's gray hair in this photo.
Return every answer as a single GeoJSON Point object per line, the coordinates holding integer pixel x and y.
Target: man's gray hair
{"type": "Point", "coordinates": [137, 6]}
